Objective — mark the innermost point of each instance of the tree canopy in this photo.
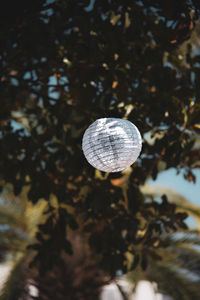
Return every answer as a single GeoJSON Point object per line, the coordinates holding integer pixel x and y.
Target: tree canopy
{"type": "Point", "coordinates": [64, 64]}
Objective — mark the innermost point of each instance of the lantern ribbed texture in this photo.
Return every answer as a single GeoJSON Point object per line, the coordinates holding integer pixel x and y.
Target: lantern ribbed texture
{"type": "Point", "coordinates": [111, 144]}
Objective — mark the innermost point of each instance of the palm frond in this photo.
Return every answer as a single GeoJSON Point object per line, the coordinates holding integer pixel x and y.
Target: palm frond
{"type": "Point", "coordinates": [172, 282]}
{"type": "Point", "coordinates": [15, 286]}
{"type": "Point", "coordinates": [18, 219]}
{"type": "Point", "coordinates": [178, 273]}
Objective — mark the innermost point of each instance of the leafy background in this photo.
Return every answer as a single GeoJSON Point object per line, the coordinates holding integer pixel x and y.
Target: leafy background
{"type": "Point", "coordinates": [63, 65]}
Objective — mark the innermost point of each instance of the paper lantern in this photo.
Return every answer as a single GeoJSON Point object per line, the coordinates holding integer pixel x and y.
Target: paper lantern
{"type": "Point", "coordinates": [111, 144]}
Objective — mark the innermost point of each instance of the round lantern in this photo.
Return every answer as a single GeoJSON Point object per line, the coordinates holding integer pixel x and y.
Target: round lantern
{"type": "Point", "coordinates": [111, 144]}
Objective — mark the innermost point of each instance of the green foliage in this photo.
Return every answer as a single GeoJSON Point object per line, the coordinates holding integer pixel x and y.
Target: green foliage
{"type": "Point", "coordinates": [178, 273]}
{"type": "Point", "coordinates": [63, 65]}
{"type": "Point", "coordinates": [175, 264]}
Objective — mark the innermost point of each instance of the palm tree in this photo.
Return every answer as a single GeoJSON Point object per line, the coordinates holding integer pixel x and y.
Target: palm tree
{"type": "Point", "coordinates": [18, 223]}
{"type": "Point", "coordinates": [178, 272]}
{"type": "Point", "coordinates": [79, 277]}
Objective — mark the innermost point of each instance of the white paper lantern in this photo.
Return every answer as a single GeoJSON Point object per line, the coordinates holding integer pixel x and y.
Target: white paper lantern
{"type": "Point", "coordinates": [111, 144]}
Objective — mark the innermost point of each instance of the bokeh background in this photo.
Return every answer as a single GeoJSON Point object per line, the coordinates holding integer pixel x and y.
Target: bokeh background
{"type": "Point", "coordinates": [68, 231]}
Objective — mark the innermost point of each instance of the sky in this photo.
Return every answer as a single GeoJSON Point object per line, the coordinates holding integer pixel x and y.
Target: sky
{"type": "Point", "coordinates": [170, 180]}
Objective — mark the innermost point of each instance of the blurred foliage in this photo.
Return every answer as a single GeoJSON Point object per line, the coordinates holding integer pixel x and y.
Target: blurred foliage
{"type": "Point", "coordinates": [176, 267]}
{"type": "Point", "coordinates": [18, 222]}
{"type": "Point", "coordinates": [18, 225]}
{"type": "Point", "coordinates": [63, 64]}
{"type": "Point", "coordinates": [79, 275]}
{"type": "Point", "coordinates": [177, 274]}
